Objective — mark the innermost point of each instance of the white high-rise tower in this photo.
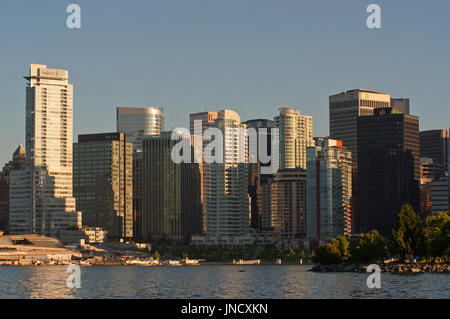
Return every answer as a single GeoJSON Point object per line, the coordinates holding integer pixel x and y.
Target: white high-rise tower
{"type": "Point", "coordinates": [41, 194]}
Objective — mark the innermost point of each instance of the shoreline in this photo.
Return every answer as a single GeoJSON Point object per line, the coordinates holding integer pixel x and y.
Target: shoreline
{"type": "Point", "coordinates": [392, 268]}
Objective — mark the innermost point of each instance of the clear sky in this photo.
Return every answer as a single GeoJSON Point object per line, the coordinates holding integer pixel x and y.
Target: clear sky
{"type": "Point", "coordinates": [249, 55]}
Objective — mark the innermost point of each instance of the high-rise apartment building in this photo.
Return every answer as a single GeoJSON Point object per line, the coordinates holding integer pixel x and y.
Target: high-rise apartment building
{"type": "Point", "coordinates": [18, 162]}
{"type": "Point", "coordinates": [329, 191]}
{"type": "Point", "coordinates": [41, 194]}
{"type": "Point", "coordinates": [434, 145]}
{"type": "Point", "coordinates": [103, 182]}
{"type": "Point", "coordinates": [227, 200]}
{"type": "Point", "coordinates": [138, 123]}
{"type": "Point", "coordinates": [171, 192]}
{"type": "Point", "coordinates": [203, 120]}
{"type": "Point", "coordinates": [296, 134]}
{"type": "Point", "coordinates": [288, 204]}
{"type": "Point", "coordinates": [388, 168]}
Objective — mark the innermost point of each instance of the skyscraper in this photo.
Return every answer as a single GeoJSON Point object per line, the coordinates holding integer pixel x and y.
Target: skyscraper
{"type": "Point", "coordinates": [296, 134]}
{"type": "Point", "coordinates": [388, 168]}
{"type": "Point", "coordinates": [434, 144]}
{"type": "Point", "coordinates": [204, 120]}
{"type": "Point", "coordinates": [138, 123]}
{"type": "Point", "coordinates": [227, 200]}
{"type": "Point", "coordinates": [171, 192]}
{"type": "Point", "coordinates": [41, 194]}
{"type": "Point", "coordinates": [103, 182]}
{"type": "Point", "coordinates": [256, 179]}
{"type": "Point", "coordinates": [329, 191]}
{"type": "Point", "coordinates": [18, 162]}
{"type": "Point", "coordinates": [344, 110]}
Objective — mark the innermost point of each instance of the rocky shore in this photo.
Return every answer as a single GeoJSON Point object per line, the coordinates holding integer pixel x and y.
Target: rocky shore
{"type": "Point", "coordinates": [392, 268]}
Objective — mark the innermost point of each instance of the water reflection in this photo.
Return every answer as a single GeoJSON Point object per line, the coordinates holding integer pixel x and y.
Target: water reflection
{"type": "Point", "coordinates": [213, 282]}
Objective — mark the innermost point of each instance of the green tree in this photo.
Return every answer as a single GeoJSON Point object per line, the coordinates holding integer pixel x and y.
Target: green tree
{"type": "Point", "coordinates": [408, 235]}
{"type": "Point", "coordinates": [370, 247]}
{"type": "Point", "coordinates": [343, 245]}
{"type": "Point", "coordinates": [437, 232]}
{"type": "Point", "coordinates": [326, 254]}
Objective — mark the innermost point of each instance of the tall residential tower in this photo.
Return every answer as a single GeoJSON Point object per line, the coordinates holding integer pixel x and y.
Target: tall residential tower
{"type": "Point", "coordinates": [41, 198]}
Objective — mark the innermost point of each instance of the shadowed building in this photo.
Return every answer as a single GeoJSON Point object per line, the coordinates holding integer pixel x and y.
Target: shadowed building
{"type": "Point", "coordinates": [171, 192]}
{"type": "Point", "coordinates": [329, 191]}
{"type": "Point", "coordinates": [288, 204]}
{"type": "Point", "coordinates": [388, 168]}
{"type": "Point", "coordinates": [137, 123]}
{"type": "Point", "coordinates": [18, 162]}
{"type": "Point", "coordinates": [262, 128]}
{"type": "Point", "coordinates": [434, 144]}
{"type": "Point", "coordinates": [103, 182]}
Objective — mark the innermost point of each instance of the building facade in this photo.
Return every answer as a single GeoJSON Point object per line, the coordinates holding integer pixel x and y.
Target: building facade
{"type": "Point", "coordinates": [296, 134]}
{"type": "Point", "coordinates": [18, 162]}
{"type": "Point", "coordinates": [138, 123]}
{"type": "Point", "coordinates": [329, 191]}
{"type": "Point", "coordinates": [388, 168]}
{"type": "Point", "coordinates": [226, 190]}
{"type": "Point", "coordinates": [439, 195]}
{"type": "Point", "coordinates": [288, 204]}
{"type": "Point", "coordinates": [198, 124]}
{"type": "Point", "coordinates": [171, 191]}
{"type": "Point", "coordinates": [103, 182]}
{"type": "Point", "coordinates": [262, 135]}
{"type": "Point", "coordinates": [41, 198]}
{"type": "Point", "coordinates": [434, 145]}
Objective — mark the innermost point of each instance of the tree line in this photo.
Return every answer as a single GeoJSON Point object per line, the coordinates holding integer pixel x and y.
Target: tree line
{"type": "Point", "coordinates": [412, 237]}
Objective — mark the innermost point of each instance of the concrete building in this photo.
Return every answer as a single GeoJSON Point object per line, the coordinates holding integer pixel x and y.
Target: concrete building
{"type": "Point", "coordinates": [103, 182]}
{"type": "Point", "coordinates": [41, 198]}
{"type": "Point", "coordinates": [388, 168]}
{"type": "Point", "coordinates": [439, 195]}
{"type": "Point", "coordinates": [288, 205]}
{"type": "Point", "coordinates": [296, 134]}
{"type": "Point", "coordinates": [171, 191]}
{"type": "Point", "coordinates": [227, 200]}
{"type": "Point", "coordinates": [329, 191]}
{"type": "Point", "coordinates": [18, 162]}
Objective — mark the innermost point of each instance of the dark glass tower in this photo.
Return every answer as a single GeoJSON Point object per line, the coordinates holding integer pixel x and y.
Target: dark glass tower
{"type": "Point", "coordinates": [388, 168]}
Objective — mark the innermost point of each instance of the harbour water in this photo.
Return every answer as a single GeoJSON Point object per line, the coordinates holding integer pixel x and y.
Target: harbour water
{"type": "Point", "coordinates": [214, 281]}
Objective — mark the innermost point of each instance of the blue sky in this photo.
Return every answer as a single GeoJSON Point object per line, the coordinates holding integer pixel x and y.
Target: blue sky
{"type": "Point", "coordinates": [251, 56]}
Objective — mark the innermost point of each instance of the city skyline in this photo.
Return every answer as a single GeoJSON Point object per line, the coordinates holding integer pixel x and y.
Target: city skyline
{"type": "Point", "coordinates": [256, 66]}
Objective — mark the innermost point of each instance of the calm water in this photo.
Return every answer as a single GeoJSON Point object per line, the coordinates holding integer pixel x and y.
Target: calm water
{"type": "Point", "coordinates": [218, 281]}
